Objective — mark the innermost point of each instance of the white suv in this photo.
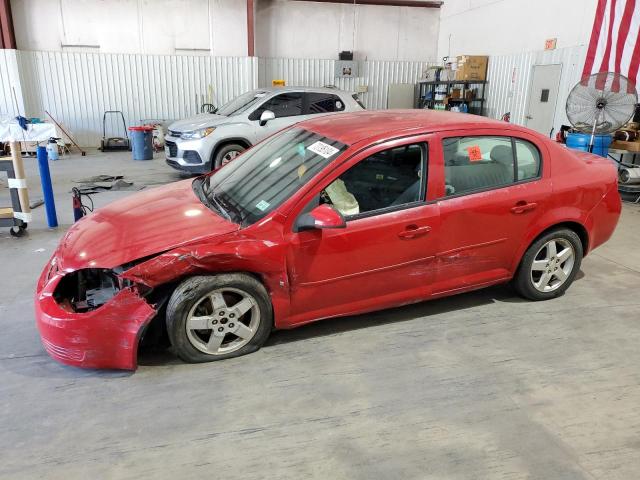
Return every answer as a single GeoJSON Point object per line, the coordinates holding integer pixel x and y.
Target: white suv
{"type": "Point", "coordinates": [207, 141]}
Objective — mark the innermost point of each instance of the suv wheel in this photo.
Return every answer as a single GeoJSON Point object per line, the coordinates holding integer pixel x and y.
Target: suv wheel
{"type": "Point", "coordinates": [227, 153]}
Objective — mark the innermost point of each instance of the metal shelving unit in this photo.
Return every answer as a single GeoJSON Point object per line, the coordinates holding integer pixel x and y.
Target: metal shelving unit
{"type": "Point", "coordinates": [426, 93]}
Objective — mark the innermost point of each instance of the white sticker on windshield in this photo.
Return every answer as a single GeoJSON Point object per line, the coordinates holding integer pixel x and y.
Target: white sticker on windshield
{"type": "Point", "coordinates": [323, 149]}
{"type": "Point", "coordinates": [260, 95]}
{"type": "Point", "coordinates": [262, 205]}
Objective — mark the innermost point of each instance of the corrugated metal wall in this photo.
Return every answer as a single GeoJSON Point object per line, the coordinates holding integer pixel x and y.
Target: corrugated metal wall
{"type": "Point", "coordinates": [8, 80]}
{"type": "Point", "coordinates": [509, 77]}
{"type": "Point", "coordinates": [76, 88]}
{"type": "Point", "coordinates": [375, 75]}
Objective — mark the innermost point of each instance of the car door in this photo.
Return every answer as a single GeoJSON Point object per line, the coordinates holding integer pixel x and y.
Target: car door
{"type": "Point", "coordinates": [494, 187]}
{"type": "Point", "coordinates": [287, 108]}
{"type": "Point", "coordinates": [386, 253]}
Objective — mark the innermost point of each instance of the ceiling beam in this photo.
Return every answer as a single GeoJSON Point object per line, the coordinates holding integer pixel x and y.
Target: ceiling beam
{"type": "Point", "coordinates": [386, 3]}
{"type": "Point", "coordinates": [251, 25]}
{"type": "Point", "coordinates": [7, 35]}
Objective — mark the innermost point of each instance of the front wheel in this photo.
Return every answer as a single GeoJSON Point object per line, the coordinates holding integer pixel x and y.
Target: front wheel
{"type": "Point", "coordinates": [218, 317]}
{"type": "Point", "coordinates": [549, 265]}
{"type": "Point", "coordinates": [226, 154]}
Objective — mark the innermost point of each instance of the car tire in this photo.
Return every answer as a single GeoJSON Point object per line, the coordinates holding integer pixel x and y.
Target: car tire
{"type": "Point", "coordinates": [549, 265]}
{"type": "Point", "coordinates": [233, 309]}
{"type": "Point", "coordinates": [226, 153]}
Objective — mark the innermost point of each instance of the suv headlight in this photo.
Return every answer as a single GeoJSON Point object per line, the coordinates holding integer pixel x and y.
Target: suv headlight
{"type": "Point", "coordinates": [195, 134]}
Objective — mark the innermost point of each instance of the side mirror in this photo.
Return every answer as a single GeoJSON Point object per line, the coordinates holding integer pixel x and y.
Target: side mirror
{"type": "Point", "coordinates": [266, 116]}
{"type": "Point", "coordinates": [323, 216]}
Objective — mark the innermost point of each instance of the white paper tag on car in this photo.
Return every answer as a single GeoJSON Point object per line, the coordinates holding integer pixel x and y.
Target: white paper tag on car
{"type": "Point", "coordinates": [167, 152]}
{"type": "Point", "coordinates": [323, 149]}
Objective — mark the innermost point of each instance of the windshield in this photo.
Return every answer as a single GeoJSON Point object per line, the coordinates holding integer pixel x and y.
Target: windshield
{"type": "Point", "coordinates": [242, 103]}
{"type": "Point", "coordinates": [261, 179]}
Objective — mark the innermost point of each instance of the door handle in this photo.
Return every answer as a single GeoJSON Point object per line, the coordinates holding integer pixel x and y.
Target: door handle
{"type": "Point", "coordinates": [413, 231]}
{"type": "Point", "coordinates": [522, 207]}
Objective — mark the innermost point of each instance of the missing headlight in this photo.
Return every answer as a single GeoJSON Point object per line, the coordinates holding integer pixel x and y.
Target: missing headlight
{"type": "Point", "coordinates": [88, 289]}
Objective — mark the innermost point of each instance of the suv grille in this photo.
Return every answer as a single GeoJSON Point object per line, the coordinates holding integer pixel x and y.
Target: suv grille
{"type": "Point", "coordinates": [173, 148]}
{"type": "Point", "coordinates": [173, 133]}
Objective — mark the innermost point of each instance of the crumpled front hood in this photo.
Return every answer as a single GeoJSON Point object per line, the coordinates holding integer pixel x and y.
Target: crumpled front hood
{"type": "Point", "coordinates": [143, 224]}
{"type": "Point", "coordinates": [197, 122]}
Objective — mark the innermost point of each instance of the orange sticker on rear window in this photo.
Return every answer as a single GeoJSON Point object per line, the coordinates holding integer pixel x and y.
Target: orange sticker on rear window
{"type": "Point", "coordinates": [475, 154]}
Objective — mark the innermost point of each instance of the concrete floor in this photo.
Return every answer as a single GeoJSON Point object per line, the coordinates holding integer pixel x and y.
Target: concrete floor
{"type": "Point", "coordinates": [482, 385]}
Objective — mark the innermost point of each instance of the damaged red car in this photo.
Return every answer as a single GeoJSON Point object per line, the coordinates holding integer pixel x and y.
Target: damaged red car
{"type": "Point", "coordinates": [335, 216]}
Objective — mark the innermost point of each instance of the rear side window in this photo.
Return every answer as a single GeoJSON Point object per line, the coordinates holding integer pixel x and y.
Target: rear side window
{"type": "Point", "coordinates": [528, 160]}
{"type": "Point", "coordinates": [323, 103]}
{"type": "Point", "coordinates": [358, 101]}
{"type": "Point", "coordinates": [284, 105]}
{"type": "Point", "coordinates": [477, 163]}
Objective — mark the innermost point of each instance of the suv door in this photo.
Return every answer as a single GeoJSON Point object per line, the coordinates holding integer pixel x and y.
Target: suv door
{"type": "Point", "coordinates": [288, 109]}
{"type": "Point", "coordinates": [385, 255]}
{"type": "Point", "coordinates": [494, 189]}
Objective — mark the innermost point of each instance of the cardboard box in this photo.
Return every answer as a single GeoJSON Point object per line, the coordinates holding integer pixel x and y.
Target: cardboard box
{"type": "Point", "coordinates": [472, 67]}
{"type": "Point", "coordinates": [629, 146]}
{"type": "Point", "coordinates": [456, 93]}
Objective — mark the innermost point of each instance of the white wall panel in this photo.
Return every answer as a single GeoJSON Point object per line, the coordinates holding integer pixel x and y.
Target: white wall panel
{"type": "Point", "coordinates": [11, 100]}
{"type": "Point", "coordinates": [76, 88]}
{"type": "Point", "coordinates": [509, 78]}
{"type": "Point", "coordinates": [375, 75]}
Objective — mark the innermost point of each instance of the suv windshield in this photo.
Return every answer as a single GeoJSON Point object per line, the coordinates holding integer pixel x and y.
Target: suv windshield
{"type": "Point", "coordinates": [261, 179]}
{"type": "Point", "coordinates": [241, 103]}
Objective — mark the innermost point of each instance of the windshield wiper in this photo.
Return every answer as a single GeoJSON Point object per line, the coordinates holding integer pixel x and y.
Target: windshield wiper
{"type": "Point", "coordinates": [208, 197]}
{"type": "Point", "coordinates": [219, 206]}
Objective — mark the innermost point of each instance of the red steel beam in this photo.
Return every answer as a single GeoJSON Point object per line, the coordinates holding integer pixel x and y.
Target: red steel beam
{"type": "Point", "coordinates": [387, 3]}
{"type": "Point", "coordinates": [7, 35]}
{"type": "Point", "coordinates": [251, 43]}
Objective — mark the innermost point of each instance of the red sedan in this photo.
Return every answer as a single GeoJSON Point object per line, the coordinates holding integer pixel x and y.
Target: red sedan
{"type": "Point", "coordinates": [334, 216]}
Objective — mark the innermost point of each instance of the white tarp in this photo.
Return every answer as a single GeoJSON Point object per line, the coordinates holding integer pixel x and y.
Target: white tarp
{"type": "Point", "coordinates": [10, 131]}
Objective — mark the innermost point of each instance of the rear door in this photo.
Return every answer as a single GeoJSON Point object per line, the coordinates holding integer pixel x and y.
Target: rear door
{"type": "Point", "coordinates": [494, 187]}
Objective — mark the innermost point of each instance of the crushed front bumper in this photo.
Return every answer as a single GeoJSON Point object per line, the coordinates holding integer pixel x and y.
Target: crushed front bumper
{"type": "Point", "coordinates": [106, 337]}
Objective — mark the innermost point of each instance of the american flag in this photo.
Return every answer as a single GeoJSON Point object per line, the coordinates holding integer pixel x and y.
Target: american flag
{"type": "Point", "coordinates": [615, 41]}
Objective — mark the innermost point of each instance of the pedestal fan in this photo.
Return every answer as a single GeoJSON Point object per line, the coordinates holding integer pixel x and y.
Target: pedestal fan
{"type": "Point", "coordinates": [601, 104]}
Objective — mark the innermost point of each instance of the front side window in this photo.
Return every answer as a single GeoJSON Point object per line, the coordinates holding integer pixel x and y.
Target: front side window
{"type": "Point", "coordinates": [477, 163]}
{"type": "Point", "coordinates": [242, 103]}
{"type": "Point", "coordinates": [323, 103]}
{"type": "Point", "coordinates": [387, 179]}
{"type": "Point", "coordinates": [264, 177]}
{"type": "Point", "coordinates": [283, 105]}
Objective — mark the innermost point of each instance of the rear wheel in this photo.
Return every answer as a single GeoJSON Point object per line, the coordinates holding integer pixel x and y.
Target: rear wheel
{"type": "Point", "coordinates": [227, 153]}
{"type": "Point", "coordinates": [217, 317]}
{"type": "Point", "coordinates": [549, 265]}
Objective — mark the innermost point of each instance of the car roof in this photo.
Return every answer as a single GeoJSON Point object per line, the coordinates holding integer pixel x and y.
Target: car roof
{"type": "Point", "coordinates": [327, 89]}
{"type": "Point", "coordinates": [351, 128]}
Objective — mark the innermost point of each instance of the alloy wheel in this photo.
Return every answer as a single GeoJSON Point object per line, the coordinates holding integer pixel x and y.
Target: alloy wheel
{"type": "Point", "coordinates": [230, 156]}
{"type": "Point", "coordinates": [552, 265]}
{"type": "Point", "coordinates": [223, 321]}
